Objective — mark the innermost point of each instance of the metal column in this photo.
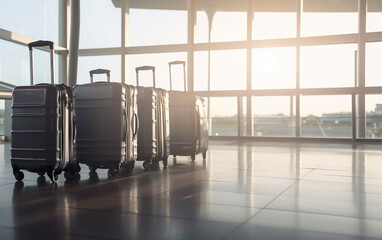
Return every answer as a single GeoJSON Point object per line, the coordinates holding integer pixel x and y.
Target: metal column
{"type": "Point", "coordinates": [64, 9]}
{"type": "Point", "coordinates": [361, 114]}
{"type": "Point", "coordinates": [74, 41]}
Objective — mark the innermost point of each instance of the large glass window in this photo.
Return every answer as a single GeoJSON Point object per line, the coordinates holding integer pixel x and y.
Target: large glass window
{"type": "Point", "coordinates": [37, 19]}
{"type": "Point", "coordinates": [373, 67]}
{"type": "Point", "coordinates": [274, 68]}
{"type": "Point", "coordinates": [160, 62]}
{"type": "Point", "coordinates": [158, 26]}
{"type": "Point", "coordinates": [274, 116]}
{"type": "Point", "coordinates": [274, 19]}
{"type": "Point", "coordinates": [373, 108]}
{"type": "Point", "coordinates": [326, 116]}
{"type": "Point", "coordinates": [374, 16]}
{"type": "Point", "coordinates": [100, 24]}
{"type": "Point", "coordinates": [223, 112]}
{"type": "Point", "coordinates": [85, 64]}
{"type": "Point", "coordinates": [328, 66]}
{"type": "Point", "coordinates": [329, 17]}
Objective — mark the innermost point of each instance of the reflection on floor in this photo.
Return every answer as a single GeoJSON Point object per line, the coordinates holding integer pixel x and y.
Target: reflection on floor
{"type": "Point", "coordinates": [242, 191]}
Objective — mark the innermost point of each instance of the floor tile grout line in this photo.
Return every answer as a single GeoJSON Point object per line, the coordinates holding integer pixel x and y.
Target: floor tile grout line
{"type": "Point", "coordinates": [158, 216]}
{"type": "Point", "coordinates": [322, 214]}
{"type": "Point", "coordinates": [243, 223]}
{"type": "Point", "coordinates": [168, 200]}
{"type": "Point", "coordinates": [58, 232]}
{"type": "Point", "coordinates": [265, 207]}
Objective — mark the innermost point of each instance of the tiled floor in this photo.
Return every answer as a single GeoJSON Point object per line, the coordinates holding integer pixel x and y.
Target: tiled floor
{"type": "Point", "coordinates": [243, 191]}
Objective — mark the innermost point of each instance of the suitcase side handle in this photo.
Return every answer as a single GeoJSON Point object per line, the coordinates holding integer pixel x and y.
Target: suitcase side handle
{"type": "Point", "coordinates": [144, 68]}
{"type": "Point", "coordinates": [184, 72]}
{"type": "Point", "coordinates": [41, 43]}
{"type": "Point", "coordinates": [74, 131]}
{"type": "Point", "coordinates": [99, 71]}
{"type": "Point", "coordinates": [135, 125]}
{"type": "Point", "coordinates": [124, 117]}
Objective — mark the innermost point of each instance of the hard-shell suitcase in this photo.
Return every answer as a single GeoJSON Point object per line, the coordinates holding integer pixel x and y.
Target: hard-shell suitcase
{"type": "Point", "coordinates": [188, 121]}
{"type": "Point", "coordinates": [107, 125]}
{"type": "Point", "coordinates": [154, 134]}
{"type": "Point", "coordinates": [42, 126]}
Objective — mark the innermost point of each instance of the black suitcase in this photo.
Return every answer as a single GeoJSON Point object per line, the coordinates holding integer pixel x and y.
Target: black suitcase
{"type": "Point", "coordinates": [107, 125]}
{"type": "Point", "coordinates": [154, 134]}
{"type": "Point", "coordinates": [42, 126]}
{"type": "Point", "coordinates": [188, 121]}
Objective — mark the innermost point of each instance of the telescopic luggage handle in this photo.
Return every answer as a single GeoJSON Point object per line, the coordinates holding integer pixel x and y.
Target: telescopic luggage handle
{"type": "Point", "coordinates": [99, 71]}
{"type": "Point", "coordinates": [42, 43]}
{"type": "Point", "coordinates": [144, 68]}
{"type": "Point", "coordinates": [184, 72]}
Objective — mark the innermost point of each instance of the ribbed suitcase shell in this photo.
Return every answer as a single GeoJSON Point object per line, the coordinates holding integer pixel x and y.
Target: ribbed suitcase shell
{"type": "Point", "coordinates": [148, 124]}
{"type": "Point", "coordinates": [41, 138]}
{"type": "Point", "coordinates": [188, 124]}
{"type": "Point", "coordinates": [104, 113]}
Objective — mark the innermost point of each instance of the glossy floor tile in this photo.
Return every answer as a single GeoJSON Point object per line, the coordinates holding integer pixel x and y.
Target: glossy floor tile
{"type": "Point", "coordinates": [244, 190]}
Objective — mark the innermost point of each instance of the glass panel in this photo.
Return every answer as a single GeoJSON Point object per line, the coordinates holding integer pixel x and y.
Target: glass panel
{"type": "Point", "coordinates": [85, 64]}
{"type": "Point", "coordinates": [326, 116]}
{"type": "Point", "coordinates": [274, 68]}
{"type": "Point", "coordinates": [14, 63]}
{"type": "Point", "coordinates": [156, 26]}
{"type": "Point", "coordinates": [223, 116]}
{"type": "Point", "coordinates": [329, 17]}
{"type": "Point", "coordinates": [201, 71]}
{"type": "Point", "coordinates": [274, 116]}
{"type": "Point", "coordinates": [374, 16]}
{"type": "Point", "coordinates": [100, 24]}
{"type": "Point", "coordinates": [328, 66]}
{"type": "Point", "coordinates": [373, 108]}
{"type": "Point", "coordinates": [37, 19]}
{"type": "Point", "coordinates": [373, 75]}
{"type": "Point", "coordinates": [228, 20]}
{"type": "Point", "coordinates": [160, 61]}
{"type": "Point", "coordinates": [228, 70]}
{"type": "Point", "coordinates": [274, 19]}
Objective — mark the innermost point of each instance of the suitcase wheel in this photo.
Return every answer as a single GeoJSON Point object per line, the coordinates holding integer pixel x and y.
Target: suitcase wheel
{"type": "Point", "coordinates": [112, 172]}
{"type": "Point", "coordinates": [129, 168]}
{"type": "Point", "coordinates": [41, 181]}
{"type": "Point", "coordinates": [146, 165]}
{"type": "Point", "coordinates": [77, 168]}
{"type": "Point", "coordinates": [204, 155]}
{"type": "Point", "coordinates": [155, 165]}
{"type": "Point", "coordinates": [52, 175]}
{"type": "Point", "coordinates": [193, 157]}
{"type": "Point", "coordinates": [19, 175]}
{"type": "Point", "coordinates": [92, 169]}
{"type": "Point", "coordinates": [41, 173]}
{"type": "Point", "coordinates": [69, 175]}
{"type": "Point", "coordinates": [93, 176]}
